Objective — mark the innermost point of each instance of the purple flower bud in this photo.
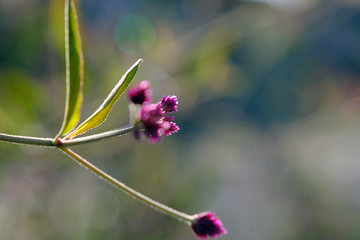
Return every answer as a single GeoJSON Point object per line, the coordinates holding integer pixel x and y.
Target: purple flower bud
{"type": "Point", "coordinates": [140, 93]}
{"type": "Point", "coordinates": [169, 103]}
{"type": "Point", "coordinates": [206, 224]}
{"type": "Point", "coordinates": [173, 128]}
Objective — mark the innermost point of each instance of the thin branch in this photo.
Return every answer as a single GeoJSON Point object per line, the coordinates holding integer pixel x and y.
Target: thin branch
{"type": "Point", "coordinates": [98, 137]}
{"type": "Point", "coordinates": [49, 142]}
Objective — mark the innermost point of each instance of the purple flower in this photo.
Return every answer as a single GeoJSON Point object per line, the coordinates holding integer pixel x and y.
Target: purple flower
{"type": "Point", "coordinates": [155, 123]}
{"type": "Point", "coordinates": [152, 117]}
{"type": "Point", "coordinates": [169, 103]}
{"type": "Point", "coordinates": [151, 112]}
{"type": "Point", "coordinates": [206, 224]}
{"type": "Point", "coordinates": [140, 93]}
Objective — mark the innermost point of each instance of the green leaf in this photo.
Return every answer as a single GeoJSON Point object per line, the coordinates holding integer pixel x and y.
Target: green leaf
{"type": "Point", "coordinates": [103, 111]}
{"type": "Point", "coordinates": [74, 69]}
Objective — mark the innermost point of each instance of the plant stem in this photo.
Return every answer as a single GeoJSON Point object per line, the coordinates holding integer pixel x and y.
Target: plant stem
{"type": "Point", "coordinates": [129, 191]}
{"type": "Point", "coordinates": [47, 142]}
{"type": "Point", "coordinates": [98, 137]}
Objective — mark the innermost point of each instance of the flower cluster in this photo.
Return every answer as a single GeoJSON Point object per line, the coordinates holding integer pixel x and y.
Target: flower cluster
{"type": "Point", "coordinates": [152, 116]}
{"type": "Point", "coordinates": [206, 224]}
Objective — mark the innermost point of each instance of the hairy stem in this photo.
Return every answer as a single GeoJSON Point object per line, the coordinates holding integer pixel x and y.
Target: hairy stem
{"type": "Point", "coordinates": [129, 191]}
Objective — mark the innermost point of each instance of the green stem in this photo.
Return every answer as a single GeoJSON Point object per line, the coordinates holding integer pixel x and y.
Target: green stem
{"type": "Point", "coordinates": [47, 142]}
{"type": "Point", "coordinates": [129, 191]}
{"type": "Point", "coordinates": [98, 137]}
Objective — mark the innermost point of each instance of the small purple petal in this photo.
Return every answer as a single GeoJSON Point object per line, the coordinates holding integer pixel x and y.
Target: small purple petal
{"type": "Point", "coordinates": [164, 126]}
{"type": "Point", "coordinates": [206, 224]}
{"type": "Point", "coordinates": [140, 93]}
{"type": "Point", "coordinates": [169, 103]}
{"type": "Point", "coordinates": [172, 126]}
{"type": "Point", "coordinates": [172, 129]}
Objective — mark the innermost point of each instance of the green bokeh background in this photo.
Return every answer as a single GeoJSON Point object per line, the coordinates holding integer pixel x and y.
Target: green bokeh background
{"type": "Point", "coordinates": [269, 113]}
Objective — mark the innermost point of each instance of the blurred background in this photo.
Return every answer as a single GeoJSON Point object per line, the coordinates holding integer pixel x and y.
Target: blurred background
{"type": "Point", "coordinates": [269, 112]}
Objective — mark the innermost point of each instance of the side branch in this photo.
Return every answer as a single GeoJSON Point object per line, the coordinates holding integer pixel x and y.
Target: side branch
{"type": "Point", "coordinates": [97, 137]}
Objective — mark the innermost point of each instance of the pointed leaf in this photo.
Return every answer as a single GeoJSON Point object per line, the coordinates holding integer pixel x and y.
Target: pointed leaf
{"type": "Point", "coordinates": [103, 111]}
{"type": "Point", "coordinates": [74, 69]}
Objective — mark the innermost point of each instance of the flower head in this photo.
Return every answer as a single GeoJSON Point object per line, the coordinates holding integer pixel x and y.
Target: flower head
{"type": "Point", "coordinates": [140, 93]}
{"type": "Point", "coordinates": [169, 103]}
{"type": "Point", "coordinates": [151, 112]}
{"type": "Point", "coordinates": [206, 224]}
{"type": "Point", "coordinates": [152, 117]}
